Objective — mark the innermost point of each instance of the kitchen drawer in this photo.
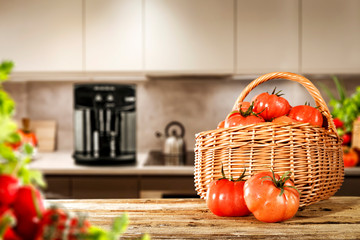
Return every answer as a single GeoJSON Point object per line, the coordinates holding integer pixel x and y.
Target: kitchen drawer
{"type": "Point", "coordinates": [58, 187]}
{"type": "Point", "coordinates": [167, 187]}
{"type": "Point", "coordinates": [350, 187]}
{"type": "Point", "coordinates": [105, 187]}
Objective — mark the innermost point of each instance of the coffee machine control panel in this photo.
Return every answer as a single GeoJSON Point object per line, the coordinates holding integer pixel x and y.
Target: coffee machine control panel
{"type": "Point", "coordinates": [105, 123]}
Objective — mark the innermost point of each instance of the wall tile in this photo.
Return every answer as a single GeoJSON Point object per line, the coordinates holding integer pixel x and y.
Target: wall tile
{"type": "Point", "coordinates": [199, 104]}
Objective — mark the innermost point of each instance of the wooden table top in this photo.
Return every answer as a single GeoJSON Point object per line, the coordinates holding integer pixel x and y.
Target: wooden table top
{"type": "Point", "coordinates": [335, 218]}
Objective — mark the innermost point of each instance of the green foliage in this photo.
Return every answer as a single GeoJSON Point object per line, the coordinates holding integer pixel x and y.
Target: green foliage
{"type": "Point", "coordinates": [5, 69]}
{"type": "Point", "coordinates": [347, 109]}
{"type": "Point", "coordinates": [15, 163]}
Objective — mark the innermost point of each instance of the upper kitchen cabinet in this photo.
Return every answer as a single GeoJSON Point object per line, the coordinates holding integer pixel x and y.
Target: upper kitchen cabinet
{"type": "Point", "coordinates": [42, 35]}
{"type": "Point", "coordinates": [113, 35]}
{"type": "Point", "coordinates": [331, 36]}
{"type": "Point", "coordinates": [267, 36]}
{"type": "Point", "coordinates": [186, 36]}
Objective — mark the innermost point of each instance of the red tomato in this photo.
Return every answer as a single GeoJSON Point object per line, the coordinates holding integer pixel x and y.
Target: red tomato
{"type": "Point", "coordinates": [350, 157]}
{"type": "Point", "coordinates": [225, 198]}
{"type": "Point", "coordinates": [10, 235]}
{"type": "Point", "coordinates": [283, 119]}
{"type": "Point", "coordinates": [346, 138]}
{"type": "Point", "coordinates": [243, 106]}
{"type": "Point", "coordinates": [221, 124]}
{"type": "Point", "coordinates": [270, 106]}
{"type": "Point", "coordinates": [306, 114]}
{"type": "Point", "coordinates": [233, 119]}
{"type": "Point", "coordinates": [270, 198]}
{"type": "Point", "coordinates": [338, 123]}
{"type": "Point", "coordinates": [56, 224]}
{"type": "Point", "coordinates": [28, 207]}
{"type": "Point", "coordinates": [9, 186]}
{"type": "Point", "coordinates": [236, 119]}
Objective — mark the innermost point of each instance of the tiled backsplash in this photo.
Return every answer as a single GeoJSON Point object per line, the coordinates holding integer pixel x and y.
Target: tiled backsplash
{"type": "Point", "coordinates": [197, 103]}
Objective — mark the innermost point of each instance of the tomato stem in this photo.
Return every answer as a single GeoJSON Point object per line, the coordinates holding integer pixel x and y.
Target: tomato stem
{"type": "Point", "coordinates": [249, 111]}
{"type": "Point", "coordinates": [36, 204]}
{"type": "Point", "coordinates": [231, 177]}
{"type": "Point", "coordinates": [281, 182]}
{"type": "Point", "coordinates": [6, 221]}
{"type": "Point", "coordinates": [279, 94]}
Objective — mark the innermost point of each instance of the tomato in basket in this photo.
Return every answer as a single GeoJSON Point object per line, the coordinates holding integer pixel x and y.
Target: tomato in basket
{"type": "Point", "coordinates": [221, 124]}
{"type": "Point", "coordinates": [244, 116]}
{"type": "Point", "coordinates": [283, 119]}
{"type": "Point", "coordinates": [243, 106]}
{"type": "Point", "coordinates": [307, 114]}
{"type": "Point", "coordinates": [270, 106]}
{"type": "Point", "coordinates": [239, 120]}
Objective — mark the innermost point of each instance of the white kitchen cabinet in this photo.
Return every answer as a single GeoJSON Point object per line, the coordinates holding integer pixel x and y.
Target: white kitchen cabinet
{"type": "Point", "coordinates": [189, 36]}
{"type": "Point", "coordinates": [113, 35]}
{"type": "Point", "coordinates": [267, 36]}
{"type": "Point", "coordinates": [331, 36]}
{"type": "Point", "coordinates": [42, 35]}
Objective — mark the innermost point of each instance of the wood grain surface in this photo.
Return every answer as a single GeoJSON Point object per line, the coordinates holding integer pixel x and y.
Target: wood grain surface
{"type": "Point", "coordinates": [335, 218]}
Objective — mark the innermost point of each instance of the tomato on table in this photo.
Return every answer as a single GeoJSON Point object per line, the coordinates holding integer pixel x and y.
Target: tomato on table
{"type": "Point", "coordinates": [271, 198]}
{"type": "Point", "coordinates": [225, 197]}
{"type": "Point", "coordinates": [28, 208]}
{"type": "Point", "coordinates": [58, 224]}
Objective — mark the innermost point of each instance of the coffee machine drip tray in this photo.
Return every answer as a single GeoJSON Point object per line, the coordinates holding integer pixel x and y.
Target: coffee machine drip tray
{"type": "Point", "coordinates": [125, 159]}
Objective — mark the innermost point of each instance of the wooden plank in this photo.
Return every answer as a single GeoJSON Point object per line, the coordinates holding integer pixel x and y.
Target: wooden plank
{"type": "Point", "coordinates": [336, 218]}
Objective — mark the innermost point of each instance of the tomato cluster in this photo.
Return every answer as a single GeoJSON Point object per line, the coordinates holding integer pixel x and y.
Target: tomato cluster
{"type": "Point", "coordinates": [269, 197]}
{"type": "Point", "coordinates": [272, 107]}
{"type": "Point", "coordinates": [23, 215]}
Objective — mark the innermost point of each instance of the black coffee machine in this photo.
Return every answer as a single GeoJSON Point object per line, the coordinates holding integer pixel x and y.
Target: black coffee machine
{"type": "Point", "coordinates": [104, 124]}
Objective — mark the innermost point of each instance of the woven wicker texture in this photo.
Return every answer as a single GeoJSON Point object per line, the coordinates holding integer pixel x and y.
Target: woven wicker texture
{"type": "Point", "coordinates": [312, 154]}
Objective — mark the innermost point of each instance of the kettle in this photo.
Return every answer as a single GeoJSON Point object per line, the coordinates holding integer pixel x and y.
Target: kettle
{"type": "Point", "coordinates": [174, 146]}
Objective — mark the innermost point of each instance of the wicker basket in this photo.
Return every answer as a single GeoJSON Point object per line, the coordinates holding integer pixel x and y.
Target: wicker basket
{"type": "Point", "coordinates": [312, 154]}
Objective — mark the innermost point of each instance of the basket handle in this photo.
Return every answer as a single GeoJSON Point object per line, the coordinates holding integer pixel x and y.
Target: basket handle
{"type": "Point", "coordinates": [314, 92]}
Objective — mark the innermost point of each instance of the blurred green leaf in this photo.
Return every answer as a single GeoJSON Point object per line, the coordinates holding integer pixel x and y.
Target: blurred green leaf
{"type": "Point", "coordinates": [7, 153]}
{"type": "Point", "coordinates": [347, 109]}
{"type": "Point", "coordinates": [145, 237]}
{"type": "Point", "coordinates": [7, 105]}
{"type": "Point", "coordinates": [13, 138]}
{"type": "Point", "coordinates": [8, 168]}
{"type": "Point", "coordinates": [340, 88]}
{"type": "Point", "coordinates": [7, 128]}
{"type": "Point", "coordinates": [5, 69]}
{"type": "Point", "coordinates": [28, 149]}
{"type": "Point", "coordinates": [120, 224]}
{"type": "Point", "coordinates": [37, 178]}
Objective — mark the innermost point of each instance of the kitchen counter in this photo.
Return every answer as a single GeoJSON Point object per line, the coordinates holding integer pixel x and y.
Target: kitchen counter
{"type": "Point", "coordinates": [62, 163]}
{"type": "Point", "coordinates": [335, 218]}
